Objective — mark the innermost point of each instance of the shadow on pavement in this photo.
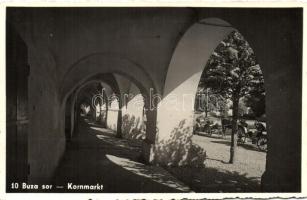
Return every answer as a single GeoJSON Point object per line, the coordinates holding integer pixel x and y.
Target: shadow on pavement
{"type": "Point", "coordinates": [96, 156]}
{"type": "Point", "coordinates": [212, 180]}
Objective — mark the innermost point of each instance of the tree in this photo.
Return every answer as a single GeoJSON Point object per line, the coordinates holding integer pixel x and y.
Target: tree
{"type": "Point", "coordinates": [232, 71]}
{"type": "Point", "coordinates": [208, 101]}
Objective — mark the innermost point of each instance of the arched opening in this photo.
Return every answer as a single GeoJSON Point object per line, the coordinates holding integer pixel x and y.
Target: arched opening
{"type": "Point", "coordinates": [113, 131]}
{"type": "Point", "coordinates": [177, 104]}
{"type": "Point", "coordinates": [125, 99]}
{"type": "Point", "coordinates": [126, 72]}
{"type": "Point", "coordinates": [88, 100]}
{"type": "Point", "coordinates": [230, 114]}
{"type": "Point", "coordinates": [201, 48]}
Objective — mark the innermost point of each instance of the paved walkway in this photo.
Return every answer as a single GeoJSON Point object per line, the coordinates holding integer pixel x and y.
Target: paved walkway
{"type": "Point", "coordinates": [96, 157]}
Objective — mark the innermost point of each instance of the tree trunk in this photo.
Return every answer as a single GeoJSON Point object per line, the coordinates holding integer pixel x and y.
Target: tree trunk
{"type": "Point", "coordinates": [207, 101]}
{"type": "Point", "coordinates": [234, 136]}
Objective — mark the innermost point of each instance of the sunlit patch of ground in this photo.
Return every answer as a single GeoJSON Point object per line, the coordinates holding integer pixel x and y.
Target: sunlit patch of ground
{"type": "Point", "coordinates": [154, 173]}
{"type": "Point", "coordinates": [249, 160]}
{"type": "Point", "coordinates": [220, 176]}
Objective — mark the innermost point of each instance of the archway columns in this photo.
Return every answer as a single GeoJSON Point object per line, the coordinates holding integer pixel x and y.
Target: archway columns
{"type": "Point", "coordinates": [283, 166]}
{"type": "Point", "coordinates": [282, 67]}
{"type": "Point", "coordinates": [73, 115]}
{"type": "Point", "coordinates": [283, 162]}
{"type": "Point", "coordinates": [133, 116]}
{"type": "Point", "coordinates": [149, 142]}
{"type": "Point", "coordinates": [119, 124]}
{"type": "Point", "coordinates": [169, 139]}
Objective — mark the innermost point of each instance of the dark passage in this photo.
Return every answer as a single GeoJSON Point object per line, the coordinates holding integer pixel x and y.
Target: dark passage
{"type": "Point", "coordinates": [96, 156]}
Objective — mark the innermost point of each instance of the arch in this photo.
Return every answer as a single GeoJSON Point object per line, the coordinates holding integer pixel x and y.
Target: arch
{"type": "Point", "coordinates": [177, 104]}
{"type": "Point", "coordinates": [111, 81]}
{"type": "Point", "coordinates": [73, 103]}
{"type": "Point", "coordinates": [194, 50]}
{"type": "Point", "coordinates": [173, 144]}
{"type": "Point", "coordinates": [104, 63]}
{"type": "Point", "coordinates": [86, 91]}
{"type": "Point", "coordinates": [108, 79]}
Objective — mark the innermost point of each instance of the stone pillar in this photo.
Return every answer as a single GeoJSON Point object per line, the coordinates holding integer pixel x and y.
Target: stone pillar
{"type": "Point", "coordinates": [175, 126]}
{"type": "Point", "coordinates": [119, 123]}
{"type": "Point", "coordinates": [149, 142]}
{"type": "Point", "coordinates": [283, 113]}
{"type": "Point", "coordinates": [281, 62]}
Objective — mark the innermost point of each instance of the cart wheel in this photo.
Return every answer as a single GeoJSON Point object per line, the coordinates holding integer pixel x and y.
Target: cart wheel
{"type": "Point", "coordinates": [262, 143]}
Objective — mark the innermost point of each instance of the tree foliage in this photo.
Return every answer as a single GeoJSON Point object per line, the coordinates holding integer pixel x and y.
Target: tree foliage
{"type": "Point", "coordinates": [232, 71]}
